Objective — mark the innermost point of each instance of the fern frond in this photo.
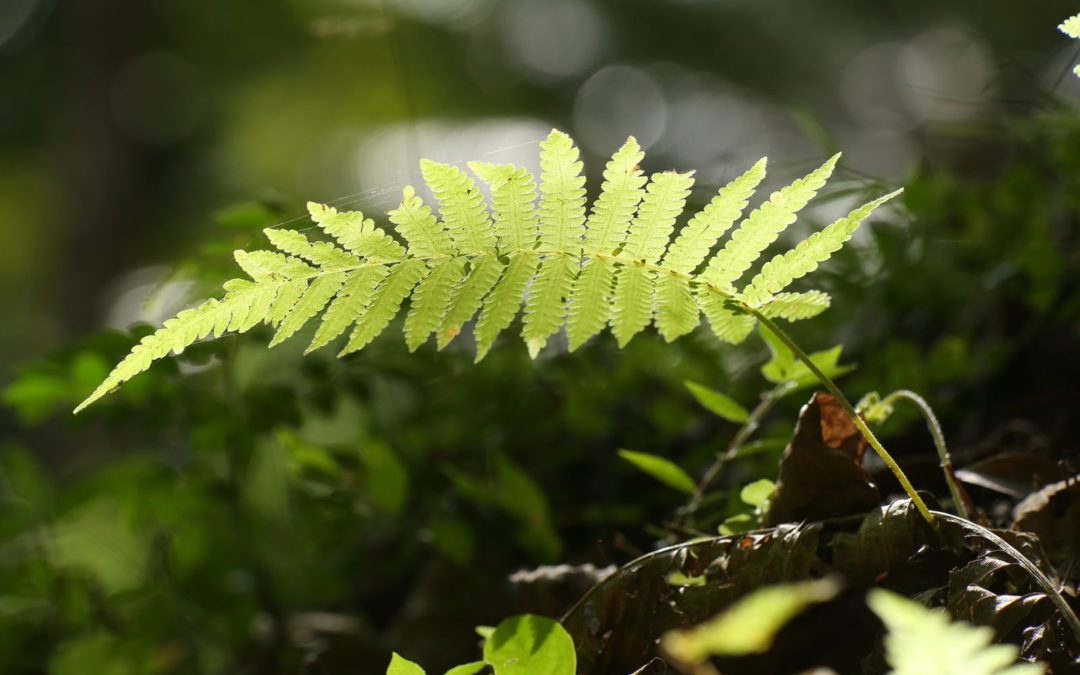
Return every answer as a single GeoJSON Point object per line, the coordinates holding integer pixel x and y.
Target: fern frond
{"type": "Point", "coordinates": [763, 226]}
{"type": "Point", "coordinates": [355, 295]}
{"type": "Point", "coordinates": [776, 274]}
{"type": "Point", "coordinates": [796, 306]}
{"type": "Point", "coordinates": [321, 253]}
{"type": "Point", "coordinates": [318, 293]}
{"type": "Point", "coordinates": [461, 205]}
{"type": "Point", "coordinates": [504, 302]}
{"type": "Point", "coordinates": [263, 266]}
{"type": "Point", "coordinates": [385, 304]}
{"type": "Point", "coordinates": [545, 308]}
{"type": "Point", "coordinates": [187, 327]}
{"type": "Point", "coordinates": [431, 300]}
{"type": "Point", "coordinates": [355, 233]}
{"type": "Point", "coordinates": [562, 195]}
{"type": "Point", "coordinates": [623, 188]}
{"type": "Point", "coordinates": [695, 241]}
{"type": "Point", "coordinates": [632, 308]}
{"type": "Point", "coordinates": [590, 298]}
{"type": "Point", "coordinates": [485, 272]}
{"type": "Point", "coordinates": [513, 200]}
{"type": "Point", "coordinates": [632, 304]}
{"type": "Point", "coordinates": [726, 324]}
{"type": "Point", "coordinates": [619, 268]}
{"type": "Point", "coordinates": [590, 301]}
{"type": "Point", "coordinates": [676, 307]}
{"type": "Point", "coordinates": [415, 221]}
{"type": "Point", "coordinates": [664, 200]}
{"type": "Point", "coordinates": [1071, 27]}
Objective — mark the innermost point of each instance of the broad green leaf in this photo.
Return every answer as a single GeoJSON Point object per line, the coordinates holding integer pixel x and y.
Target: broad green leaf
{"type": "Point", "coordinates": [750, 625]}
{"type": "Point", "coordinates": [530, 645]}
{"type": "Point", "coordinates": [757, 494]}
{"type": "Point", "coordinates": [663, 470]}
{"type": "Point", "coordinates": [402, 666]}
{"type": "Point", "coordinates": [719, 404]}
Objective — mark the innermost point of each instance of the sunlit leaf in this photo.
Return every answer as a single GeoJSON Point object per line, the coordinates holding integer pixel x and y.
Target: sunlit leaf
{"type": "Point", "coordinates": [402, 666]}
{"type": "Point", "coordinates": [663, 470]}
{"type": "Point", "coordinates": [718, 404]}
{"type": "Point", "coordinates": [750, 625]}
{"type": "Point", "coordinates": [529, 645]}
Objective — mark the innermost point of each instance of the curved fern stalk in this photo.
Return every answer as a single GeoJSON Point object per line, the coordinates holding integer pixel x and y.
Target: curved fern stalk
{"type": "Point", "coordinates": [624, 266]}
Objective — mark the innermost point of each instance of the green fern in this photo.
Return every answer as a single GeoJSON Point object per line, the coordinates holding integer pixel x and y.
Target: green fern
{"type": "Point", "coordinates": [618, 267]}
{"type": "Point", "coordinates": [1071, 27]}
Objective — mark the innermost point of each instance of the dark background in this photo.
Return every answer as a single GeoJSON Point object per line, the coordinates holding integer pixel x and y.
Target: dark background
{"type": "Point", "coordinates": [142, 140]}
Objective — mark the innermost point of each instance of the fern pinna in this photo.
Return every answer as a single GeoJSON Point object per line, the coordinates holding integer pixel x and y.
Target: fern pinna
{"type": "Point", "coordinates": [618, 266]}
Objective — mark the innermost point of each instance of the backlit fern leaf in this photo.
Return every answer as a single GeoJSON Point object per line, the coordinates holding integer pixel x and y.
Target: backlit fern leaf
{"type": "Point", "coordinates": [562, 225]}
{"type": "Point", "coordinates": [776, 274]}
{"type": "Point", "coordinates": [617, 268]}
{"type": "Point", "coordinates": [415, 221]}
{"type": "Point", "coordinates": [590, 298]}
{"type": "Point", "coordinates": [461, 205]}
{"type": "Point", "coordinates": [513, 198]}
{"type": "Point", "coordinates": [431, 300]}
{"type": "Point", "coordinates": [796, 306]}
{"type": "Point", "coordinates": [354, 232]}
{"type": "Point", "coordinates": [763, 226]}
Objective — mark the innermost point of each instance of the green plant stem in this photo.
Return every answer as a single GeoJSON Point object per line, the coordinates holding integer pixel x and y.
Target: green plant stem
{"type": "Point", "coordinates": [827, 382]}
{"type": "Point", "coordinates": [1031, 568]}
{"type": "Point", "coordinates": [753, 421]}
{"type": "Point", "coordinates": [959, 497]}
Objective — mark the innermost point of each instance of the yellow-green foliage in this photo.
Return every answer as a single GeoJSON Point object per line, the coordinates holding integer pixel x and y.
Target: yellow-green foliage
{"type": "Point", "coordinates": [1071, 27]}
{"type": "Point", "coordinates": [616, 266]}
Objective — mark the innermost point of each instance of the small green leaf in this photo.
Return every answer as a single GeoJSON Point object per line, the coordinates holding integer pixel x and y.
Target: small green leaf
{"type": "Point", "coordinates": [757, 493]}
{"type": "Point", "coordinates": [750, 625]}
{"type": "Point", "coordinates": [678, 578]}
{"type": "Point", "coordinates": [717, 403]}
{"type": "Point", "coordinates": [783, 368]}
{"type": "Point", "coordinates": [403, 666]}
{"type": "Point", "coordinates": [467, 668]}
{"type": "Point", "coordinates": [663, 470]}
{"type": "Point", "coordinates": [529, 645]}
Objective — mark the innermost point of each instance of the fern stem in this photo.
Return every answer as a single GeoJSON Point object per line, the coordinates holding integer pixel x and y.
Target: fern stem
{"type": "Point", "coordinates": [827, 382]}
{"type": "Point", "coordinates": [1048, 586]}
{"type": "Point", "coordinates": [959, 496]}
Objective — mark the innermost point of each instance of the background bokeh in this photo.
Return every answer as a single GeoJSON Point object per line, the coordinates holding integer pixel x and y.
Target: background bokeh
{"type": "Point", "coordinates": [251, 511]}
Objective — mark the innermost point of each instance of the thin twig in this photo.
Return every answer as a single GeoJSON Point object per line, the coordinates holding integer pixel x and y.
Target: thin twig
{"type": "Point", "coordinates": [753, 421]}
